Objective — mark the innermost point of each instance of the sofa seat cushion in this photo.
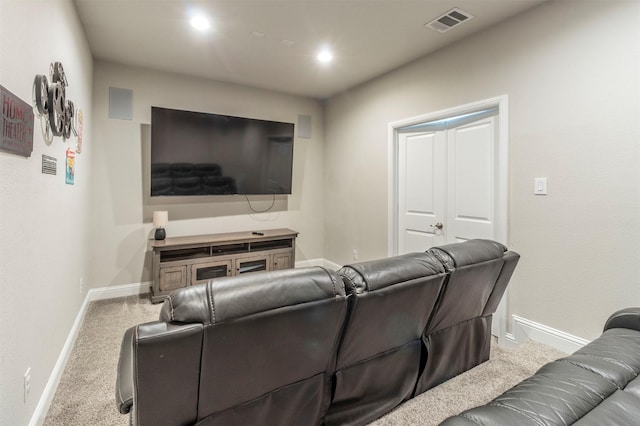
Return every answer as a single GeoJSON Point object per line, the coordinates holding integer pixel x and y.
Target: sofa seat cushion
{"type": "Point", "coordinates": [614, 356]}
{"type": "Point", "coordinates": [621, 408]}
{"type": "Point", "coordinates": [634, 387]}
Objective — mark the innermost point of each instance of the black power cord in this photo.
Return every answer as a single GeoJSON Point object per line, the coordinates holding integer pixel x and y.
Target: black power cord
{"type": "Point", "coordinates": [273, 202]}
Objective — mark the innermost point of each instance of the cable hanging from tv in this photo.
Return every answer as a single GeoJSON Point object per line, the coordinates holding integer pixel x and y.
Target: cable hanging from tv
{"type": "Point", "coordinates": [273, 202]}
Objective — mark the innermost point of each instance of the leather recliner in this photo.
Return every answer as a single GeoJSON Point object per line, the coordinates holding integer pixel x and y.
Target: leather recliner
{"type": "Point", "coordinates": [311, 346]}
{"type": "Point", "coordinates": [597, 385]}
{"type": "Point", "coordinates": [260, 347]}
{"type": "Point", "coordinates": [458, 337]}
{"type": "Point", "coordinates": [379, 358]}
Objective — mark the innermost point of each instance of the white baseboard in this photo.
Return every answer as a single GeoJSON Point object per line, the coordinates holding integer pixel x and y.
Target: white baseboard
{"type": "Point", "coordinates": [318, 262]}
{"type": "Point", "coordinates": [329, 264]}
{"type": "Point", "coordinates": [49, 392]}
{"type": "Point", "coordinates": [115, 291]}
{"type": "Point", "coordinates": [103, 293]}
{"type": "Point", "coordinates": [524, 329]}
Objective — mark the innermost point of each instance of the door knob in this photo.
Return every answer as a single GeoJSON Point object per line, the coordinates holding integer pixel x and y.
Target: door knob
{"type": "Point", "coordinates": [437, 225]}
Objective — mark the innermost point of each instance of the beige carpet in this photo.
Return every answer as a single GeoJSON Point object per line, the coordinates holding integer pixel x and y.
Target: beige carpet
{"type": "Point", "coordinates": [475, 387]}
{"type": "Point", "coordinates": [86, 394]}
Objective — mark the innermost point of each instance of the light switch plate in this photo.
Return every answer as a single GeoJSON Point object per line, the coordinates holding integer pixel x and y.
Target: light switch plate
{"type": "Point", "coordinates": [540, 186]}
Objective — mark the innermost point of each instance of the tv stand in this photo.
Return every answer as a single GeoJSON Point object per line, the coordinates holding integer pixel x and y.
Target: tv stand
{"type": "Point", "coordinates": [183, 261]}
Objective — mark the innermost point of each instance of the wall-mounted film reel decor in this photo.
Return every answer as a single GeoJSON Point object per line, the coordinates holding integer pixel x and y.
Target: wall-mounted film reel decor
{"type": "Point", "coordinates": [57, 113]}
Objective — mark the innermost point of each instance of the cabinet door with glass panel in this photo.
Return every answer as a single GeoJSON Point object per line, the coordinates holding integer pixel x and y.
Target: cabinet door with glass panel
{"type": "Point", "coordinates": [203, 272]}
{"type": "Point", "coordinates": [248, 264]}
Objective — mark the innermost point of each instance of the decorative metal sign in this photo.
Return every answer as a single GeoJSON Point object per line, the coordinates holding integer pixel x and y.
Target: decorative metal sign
{"type": "Point", "coordinates": [56, 112]}
{"type": "Point", "coordinates": [16, 124]}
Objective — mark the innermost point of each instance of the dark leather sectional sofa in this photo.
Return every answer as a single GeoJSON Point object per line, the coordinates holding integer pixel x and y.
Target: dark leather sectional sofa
{"type": "Point", "coordinates": [312, 346]}
{"type": "Point", "coordinates": [596, 386]}
{"type": "Point", "coordinates": [190, 179]}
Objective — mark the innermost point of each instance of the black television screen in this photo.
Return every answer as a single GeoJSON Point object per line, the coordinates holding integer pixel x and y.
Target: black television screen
{"type": "Point", "coordinates": [194, 153]}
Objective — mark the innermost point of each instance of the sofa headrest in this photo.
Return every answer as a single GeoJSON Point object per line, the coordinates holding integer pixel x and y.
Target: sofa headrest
{"type": "Point", "coordinates": [160, 170]}
{"type": "Point", "coordinates": [223, 299]}
{"type": "Point", "coordinates": [182, 169]}
{"type": "Point", "coordinates": [467, 253]}
{"type": "Point", "coordinates": [161, 185]}
{"type": "Point", "coordinates": [378, 274]}
{"type": "Point", "coordinates": [208, 169]}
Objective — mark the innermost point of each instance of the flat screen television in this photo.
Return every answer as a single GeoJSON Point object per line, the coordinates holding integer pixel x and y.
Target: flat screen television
{"type": "Point", "coordinates": [195, 153]}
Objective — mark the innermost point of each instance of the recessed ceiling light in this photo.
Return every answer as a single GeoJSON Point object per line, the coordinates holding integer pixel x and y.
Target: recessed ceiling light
{"type": "Point", "coordinates": [325, 56]}
{"type": "Point", "coordinates": [200, 22]}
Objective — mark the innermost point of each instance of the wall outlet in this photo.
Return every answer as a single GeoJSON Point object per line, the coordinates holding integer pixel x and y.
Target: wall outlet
{"type": "Point", "coordinates": [355, 254]}
{"type": "Point", "coordinates": [27, 383]}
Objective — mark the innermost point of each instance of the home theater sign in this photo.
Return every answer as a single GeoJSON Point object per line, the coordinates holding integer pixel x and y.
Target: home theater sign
{"type": "Point", "coordinates": [16, 123]}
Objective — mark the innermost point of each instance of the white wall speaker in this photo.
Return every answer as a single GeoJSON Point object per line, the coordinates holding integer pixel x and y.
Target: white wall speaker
{"type": "Point", "coordinates": [304, 126]}
{"type": "Point", "coordinates": [120, 103]}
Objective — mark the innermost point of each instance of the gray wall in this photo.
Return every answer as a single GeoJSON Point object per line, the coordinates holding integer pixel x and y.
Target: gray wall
{"type": "Point", "coordinates": [571, 70]}
{"type": "Point", "coordinates": [44, 223]}
{"type": "Point", "coordinates": [121, 212]}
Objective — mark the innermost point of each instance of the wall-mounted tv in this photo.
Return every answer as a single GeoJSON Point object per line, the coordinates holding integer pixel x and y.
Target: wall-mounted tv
{"type": "Point", "coordinates": [195, 153]}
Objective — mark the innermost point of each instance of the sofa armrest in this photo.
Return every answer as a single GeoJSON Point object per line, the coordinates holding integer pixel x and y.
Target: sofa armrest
{"type": "Point", "coordinates": [124, 378]}
{"type": "Point", "coordinates": [158, 373]}
{"type": "Point", "coordinates": [624, 318]}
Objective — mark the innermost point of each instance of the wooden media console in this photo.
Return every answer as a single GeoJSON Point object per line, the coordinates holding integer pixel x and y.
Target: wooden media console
{"type": "Point", "coordinates": [183, 261]}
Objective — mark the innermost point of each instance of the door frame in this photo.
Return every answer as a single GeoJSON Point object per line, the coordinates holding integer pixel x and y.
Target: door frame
{"type": "Point", "coordinates": [501, 204]}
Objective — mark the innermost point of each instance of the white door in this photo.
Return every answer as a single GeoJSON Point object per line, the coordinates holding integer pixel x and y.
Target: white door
{"type": "Point", "coordinates": [471, 179]}
{"type": "Point", "coordinates": [450, 167]}
{"type": "Point", "coordinates": [446, 185]}
{"type": "Point", "coordinates": [421, 190]}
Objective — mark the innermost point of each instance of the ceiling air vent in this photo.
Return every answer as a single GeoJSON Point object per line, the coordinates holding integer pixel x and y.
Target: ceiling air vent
{"type": "Point", "coordinates": [449, 20]}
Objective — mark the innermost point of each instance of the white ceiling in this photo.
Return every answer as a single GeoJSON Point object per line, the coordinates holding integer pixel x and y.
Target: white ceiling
{"type": "Point", "coordinates": [368, 37]}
